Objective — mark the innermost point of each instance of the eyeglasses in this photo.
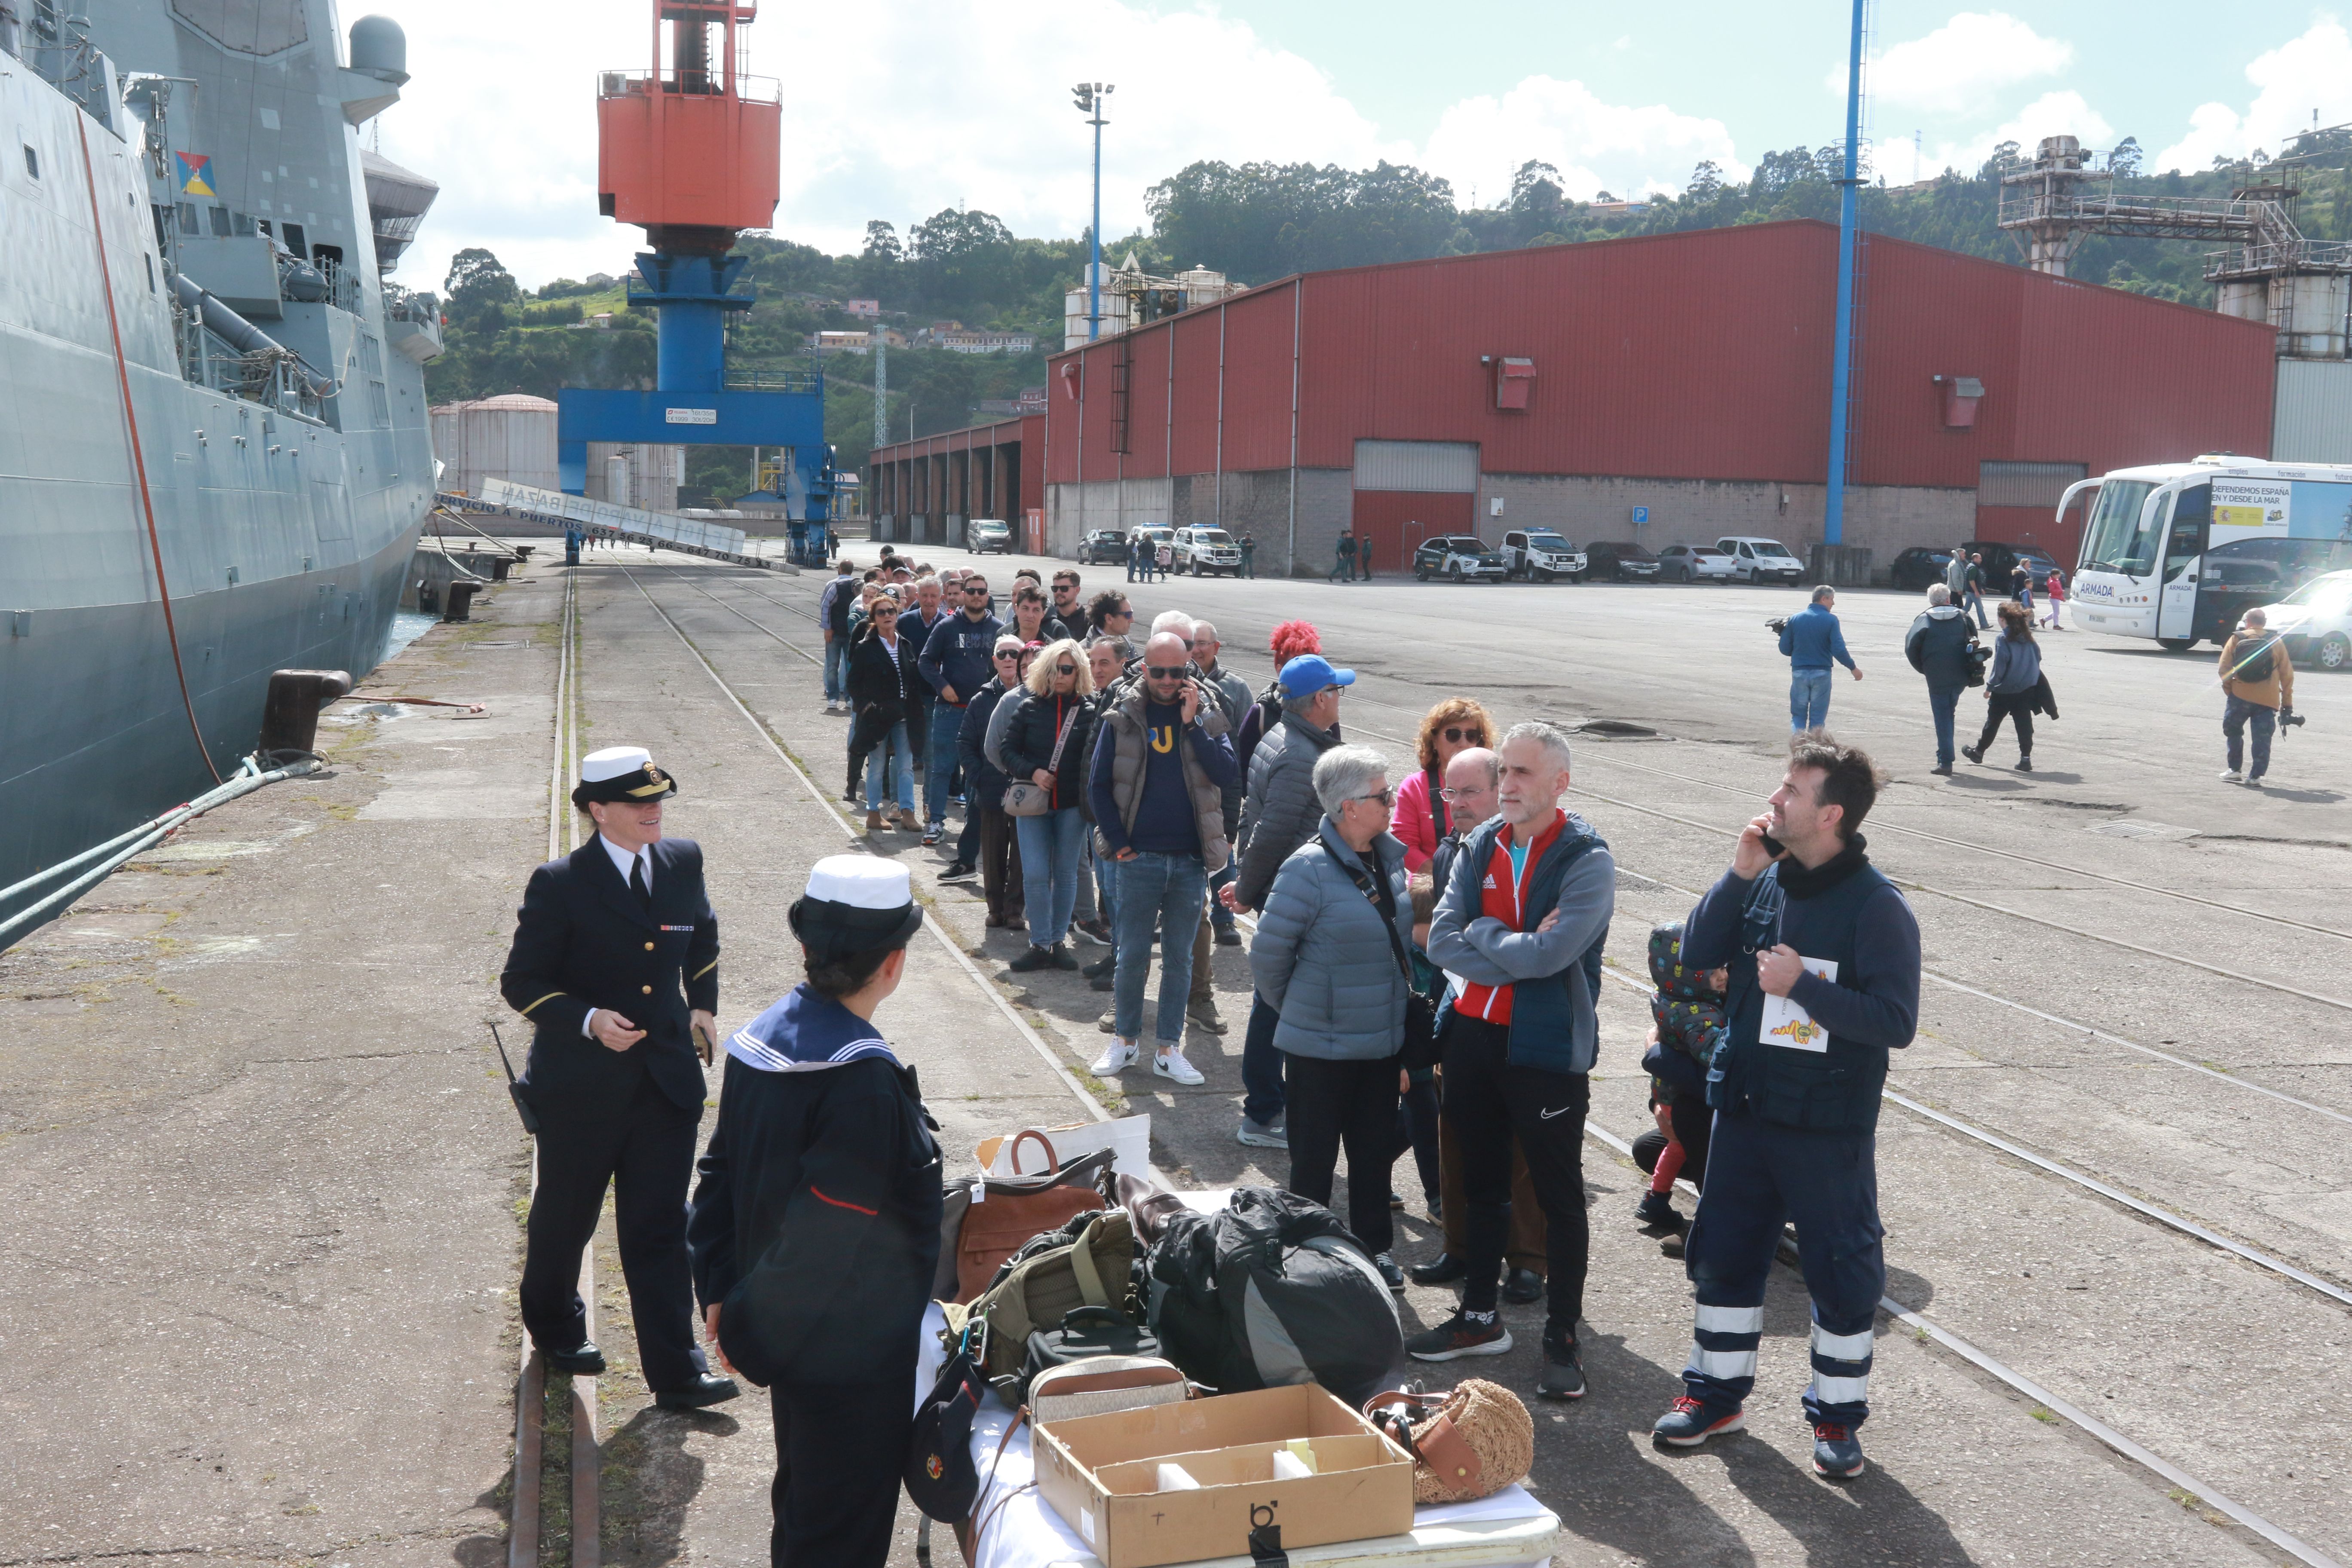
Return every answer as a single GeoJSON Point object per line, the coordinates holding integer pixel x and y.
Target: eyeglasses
{"type": "Point", "coordinates": [1450, 794]}
{"type": "Point", "coordinates": [1066, 667]}
{"type": "Point", "coordinates": [1158, 673]}
{"type": "Point", "coordinates": [1457, 735]}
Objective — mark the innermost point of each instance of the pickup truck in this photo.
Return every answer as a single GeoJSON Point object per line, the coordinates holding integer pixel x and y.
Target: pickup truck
{"type": "Point", "coordinates": [1541, 556]}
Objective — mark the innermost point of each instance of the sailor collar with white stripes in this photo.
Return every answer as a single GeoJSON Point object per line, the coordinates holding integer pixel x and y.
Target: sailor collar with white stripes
{"type": "Point", "coordinates": [806, 1032]}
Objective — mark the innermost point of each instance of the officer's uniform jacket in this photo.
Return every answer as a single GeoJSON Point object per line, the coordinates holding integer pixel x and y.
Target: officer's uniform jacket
{"type": "Point", "coordinates": [583, 940]}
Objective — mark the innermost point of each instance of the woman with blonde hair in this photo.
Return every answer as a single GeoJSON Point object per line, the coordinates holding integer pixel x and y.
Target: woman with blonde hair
{"type": "Point", "coordinates": [1453, 727]}
{"type": "Point", "coordinates": [1048, 744]}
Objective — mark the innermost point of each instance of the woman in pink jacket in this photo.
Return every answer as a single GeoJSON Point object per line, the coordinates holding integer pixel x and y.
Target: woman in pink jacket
{"type": "Point", "coordinates": [1454, 726]}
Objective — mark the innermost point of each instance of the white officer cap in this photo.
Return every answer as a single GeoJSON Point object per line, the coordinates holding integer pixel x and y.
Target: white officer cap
{"type": "Point", "coordinates": [612, 762]}
{"type": "Point", "coordinates": [861, 882]}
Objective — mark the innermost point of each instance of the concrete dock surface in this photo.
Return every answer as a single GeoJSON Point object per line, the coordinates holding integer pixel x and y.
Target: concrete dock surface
{"type": "Point", "coordinates": [265, 1183]}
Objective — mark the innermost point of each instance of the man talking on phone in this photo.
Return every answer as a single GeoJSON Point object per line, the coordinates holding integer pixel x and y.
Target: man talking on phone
{"type": "Point", "coordinates": [1824, 959]}
{"type": "Point", "coordinates": [615, 960]}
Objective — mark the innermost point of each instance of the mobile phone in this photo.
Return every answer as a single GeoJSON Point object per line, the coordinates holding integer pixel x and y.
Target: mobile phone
{"type": "Point", "coordinates": [1772, 846]}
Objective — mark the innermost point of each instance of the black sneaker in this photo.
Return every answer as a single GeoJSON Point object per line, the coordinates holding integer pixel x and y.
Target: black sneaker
{"type": "Point", "coordinates": [1461, 1335]}
{"type": "Point", "coordinates": [1656, 1213]}
{"type": "Point", "coordinates": [958, 872]}
{"type": "Point", "coordinates": [1563, 1371]}
{"type": "Point", "coordinates": [1973, 753]}
{"type": "Point", "coordinates": [1522, 1286]}
{"type": "Point", "coordinates": [1100, 967]}
{"type": "Point", "coordinates": [2024, 765]}
{"type": "Point", "coordinates": [1029, 962]}
{"type": "Point", "coordinates": [1229, 936]}
{"type": "Point", "coordinates": [1062, 957]}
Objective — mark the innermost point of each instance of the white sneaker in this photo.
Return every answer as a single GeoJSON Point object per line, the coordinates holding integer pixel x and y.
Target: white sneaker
{"type": "Point", "coordinates": [1171, 1063]}
{"type": "Point", "coordinates": [2231, 775]}
{"type": "Point", "coordinates": [1118, 1056]}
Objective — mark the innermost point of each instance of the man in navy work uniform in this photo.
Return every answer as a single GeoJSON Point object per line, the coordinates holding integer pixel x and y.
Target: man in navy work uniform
{"type": "Point", "coordinates": [816, 1223]}
{"type": "Point", "coordinates": [1824, 959]}
{"type": "Point", "coordinates": [1521, 921]}
{"type": "Point", "coordinates": [615, 959]}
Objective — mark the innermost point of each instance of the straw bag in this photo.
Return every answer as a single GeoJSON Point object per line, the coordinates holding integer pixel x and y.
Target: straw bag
{"type": "Point", "coordinates": [1467, 1445]}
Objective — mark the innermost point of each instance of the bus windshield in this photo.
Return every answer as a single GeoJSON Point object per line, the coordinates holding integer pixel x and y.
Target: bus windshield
{"type": "Point", "coordinates": [2119, 541]}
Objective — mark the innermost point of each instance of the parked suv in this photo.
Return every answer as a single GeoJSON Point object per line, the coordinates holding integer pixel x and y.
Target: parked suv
{"type": "Point", "coordinates": [1104, 545]}
{"type": "Point", "coordinates": [982, 535]}
{"type": "Point", "coordinates": [1211, 550]}
{"type": "Point", "coordinates": [1621, 563]}
{"type": "Point", "coordinates": [1540, 555]}
{"type": "Point", "coordinates": [1693, 563]}
{"type": "Point", "coordinates": [1458, 558]}
{"type": "Point", "coordinates": [1759, 559]}
{"type": "Point", "coordinates": [1919, 568]}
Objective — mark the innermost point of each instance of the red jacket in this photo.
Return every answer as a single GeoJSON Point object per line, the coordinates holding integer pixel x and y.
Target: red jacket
{"type": "Point", "coordinates": [1502, 888]}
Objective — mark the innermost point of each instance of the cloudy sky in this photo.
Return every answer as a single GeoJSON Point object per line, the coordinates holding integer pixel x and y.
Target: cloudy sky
{"type": "Point", "coordinates": [901, 108]}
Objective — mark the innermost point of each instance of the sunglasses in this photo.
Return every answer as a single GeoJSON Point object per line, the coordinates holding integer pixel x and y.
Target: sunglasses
{"type": "Point", "coordinates": [1175, 672]}
{"type": "Point", "coordinates": [882, 610]}
{"type": "Point", "coordinates": [1457, 735]}
{"type": "Point", "coordinates": [1008, 653]}
{"type": "Point", "coordinates": [1387, 798]}
{"type": "Point", "coordinates": [1119, 615]}
{"type": "Point", "coordinates": [1066, 667]}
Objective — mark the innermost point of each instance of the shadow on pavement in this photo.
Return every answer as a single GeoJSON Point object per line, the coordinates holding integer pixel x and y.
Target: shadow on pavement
{"type": "Point", "coordinates": [650, 1482]}
{"type": "Point", "coordinates": [1869, 1521]}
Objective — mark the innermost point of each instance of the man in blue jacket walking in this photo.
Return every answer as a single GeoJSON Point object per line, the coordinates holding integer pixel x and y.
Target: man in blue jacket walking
{"type": "Point", "coordinates": [1824, 958]}
{"type": "Point", "coordinates": [1812, 640]}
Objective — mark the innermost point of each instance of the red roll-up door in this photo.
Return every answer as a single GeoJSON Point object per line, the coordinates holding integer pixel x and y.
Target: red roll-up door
{"type": "Point", "coordinates": [1398, 520]}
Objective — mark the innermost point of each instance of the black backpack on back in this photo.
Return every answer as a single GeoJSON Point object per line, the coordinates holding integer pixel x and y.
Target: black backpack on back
{"type": "Point", "coordinates": [1273, 1290]}
{"type": "Point", "coordinates": [2256, 666]}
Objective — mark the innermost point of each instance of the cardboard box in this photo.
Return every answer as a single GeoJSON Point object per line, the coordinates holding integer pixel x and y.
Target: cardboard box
{"type": "Point", "coordinates": [1101, 1475]}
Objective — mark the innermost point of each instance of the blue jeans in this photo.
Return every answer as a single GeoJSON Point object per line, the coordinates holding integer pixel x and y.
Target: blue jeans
{"type": "Point", "coordinates": [1943, 701]}
{"type": "Point", "coordinates": [1263, 1097]}
{"type": "Point", "coordinates": [1219, 916]}
{"type": "Point", "coordinates": [898, 748]}
{"type": "Point", "coordinates": [947, 723]}
{"type": "Point", "coordinates": [1051, 846]}
{"type": "Point", "coordinates": [836, 665]}
{"type": "Point", "coordinates": [2235, 712]}
{"type": "Point", "coordinates": [1165, 891]}
{"type": "Point", "coordinates": [1809, 699]}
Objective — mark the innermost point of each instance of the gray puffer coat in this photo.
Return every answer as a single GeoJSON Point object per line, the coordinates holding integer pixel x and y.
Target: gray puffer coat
{"type": "Point", "coordinates": [1322, 960]}
{"type": "Point", "coordinates": [1282, 811]}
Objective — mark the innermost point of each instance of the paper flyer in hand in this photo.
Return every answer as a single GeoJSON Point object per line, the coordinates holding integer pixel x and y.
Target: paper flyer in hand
{"type": "Point", "coordinates": [1785, 1024]}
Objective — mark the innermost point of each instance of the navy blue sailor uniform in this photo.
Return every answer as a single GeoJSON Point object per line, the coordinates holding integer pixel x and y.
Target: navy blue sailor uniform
{"type": "Point", "coordinates": [1796, 1102]}
{"type": "Point", "coordinates": [815, 1230]}
{"type": "Point", "coordinates": [585, 939]}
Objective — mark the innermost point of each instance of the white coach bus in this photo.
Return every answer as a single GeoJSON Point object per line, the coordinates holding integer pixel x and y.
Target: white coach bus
{"type": "Point", "coordinates": [2178, 551]}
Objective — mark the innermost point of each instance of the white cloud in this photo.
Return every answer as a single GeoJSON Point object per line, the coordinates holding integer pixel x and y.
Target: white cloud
{"type": "Point", "coordinates": [2061, 113]}
{"type": "Point", "coordinates": [1957, 68]}
{"type": "Point", "coordinates": [1480, 142]}
{"type": "Point", "coordinates": [2312, 72]}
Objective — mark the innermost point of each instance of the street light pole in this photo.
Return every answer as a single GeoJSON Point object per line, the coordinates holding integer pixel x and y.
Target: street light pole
{"type": "Point", "coordinates": [1090, 95]}
{"type": "Point", "coordinates": [1841, 368]}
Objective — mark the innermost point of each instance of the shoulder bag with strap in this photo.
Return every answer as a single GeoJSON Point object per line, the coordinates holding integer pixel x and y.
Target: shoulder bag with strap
{"type": "Point", "coordinates": [1027, 797]}
{"type": "Point", "coordinates": [1421, 1047]}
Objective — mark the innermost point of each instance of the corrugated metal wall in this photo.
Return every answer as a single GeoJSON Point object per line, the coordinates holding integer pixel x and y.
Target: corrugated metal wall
{"type": "Point", "coordinates": [2313, 423]}
{"type": "Point", "coordinates": [1438, 466]}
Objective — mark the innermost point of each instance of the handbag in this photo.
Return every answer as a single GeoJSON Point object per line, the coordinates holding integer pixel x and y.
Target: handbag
{"type": "Point", "coordinates": [986, 1223]}
{"type": "Point", "coordinates": [1027, 797]}
{"type": "Point", "coordinates": [1100, 1384]}
{"type": "Point", "coordinates": [1085, 1333]}
{"type": "Point", "coordinates": [1470, 1444]}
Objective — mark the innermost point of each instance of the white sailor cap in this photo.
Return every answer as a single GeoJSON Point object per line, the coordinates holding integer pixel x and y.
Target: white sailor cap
{"type": "Point", "coordinates": [856, 904]}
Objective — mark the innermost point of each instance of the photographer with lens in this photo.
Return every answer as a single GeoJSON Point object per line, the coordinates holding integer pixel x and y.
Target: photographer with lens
{"type": "Point", "coordinates": [2257, 689]}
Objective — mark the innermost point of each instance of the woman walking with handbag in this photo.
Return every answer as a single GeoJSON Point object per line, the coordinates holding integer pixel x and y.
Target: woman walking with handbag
{"type": "Point", "coordinates": [885, 689]}
{"type": "Point", "coordinates": [1047, 748]}
{"type": "Point", "coordinates": [2010, 687]}
{"type": "Point", "coordinates": [1330, 959]}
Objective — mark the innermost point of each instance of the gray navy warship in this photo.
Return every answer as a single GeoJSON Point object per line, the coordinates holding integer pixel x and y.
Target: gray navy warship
{"type": "Point", "coordinates": [214, 458]}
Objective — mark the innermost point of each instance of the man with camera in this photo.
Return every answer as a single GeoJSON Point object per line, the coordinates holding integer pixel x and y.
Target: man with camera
{"type": "Point", "coordinates": [2257, 689]}
{"type": "Point", "coordinates": [1824, 958]}
{"type": "Point", "coordinates": [1812, 640]}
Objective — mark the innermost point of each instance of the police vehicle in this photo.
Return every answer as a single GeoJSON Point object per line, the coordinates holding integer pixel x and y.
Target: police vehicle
{"type": "Point", "coordinates": [1209, 549]}
{"type": "Point", "coordinates": [1458, 558]}
{"type": "Point", "coordinates": [1540, 555]}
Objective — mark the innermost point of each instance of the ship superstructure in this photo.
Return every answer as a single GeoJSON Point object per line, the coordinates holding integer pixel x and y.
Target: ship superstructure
{"type": "Point", "coordinates": [214, 458]}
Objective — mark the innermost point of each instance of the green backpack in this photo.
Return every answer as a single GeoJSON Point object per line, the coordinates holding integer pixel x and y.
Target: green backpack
{"type": "Point", "coordinates": [1089, 1262]}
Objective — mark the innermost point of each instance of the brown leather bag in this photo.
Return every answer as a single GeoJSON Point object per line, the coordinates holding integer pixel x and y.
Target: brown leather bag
{"type": "Point", "coordinates": [984, 1228]}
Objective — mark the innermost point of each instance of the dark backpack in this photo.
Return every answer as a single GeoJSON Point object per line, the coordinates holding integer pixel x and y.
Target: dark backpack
{"type": "Point", "coordinates": [2255, 666]}
{"type": "Point", "coordinates": [1273, 1291]}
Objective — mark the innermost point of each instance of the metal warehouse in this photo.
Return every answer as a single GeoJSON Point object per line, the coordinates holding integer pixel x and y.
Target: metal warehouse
{"type": "Point", "coordinates": [921, 491]}
{"type": "Point", "coordinates": [1674, 387]}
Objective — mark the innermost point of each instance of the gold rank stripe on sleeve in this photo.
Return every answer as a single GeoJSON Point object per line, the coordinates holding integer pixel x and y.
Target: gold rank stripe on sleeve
{"type": "Point", "coordinates": [696, 975]}
{"type": "Point", "coordinates": [549, 997]}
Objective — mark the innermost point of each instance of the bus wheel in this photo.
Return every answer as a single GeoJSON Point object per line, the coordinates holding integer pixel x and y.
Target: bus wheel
{"type": "Point", "coordinates": [2335, 653]}
{"type": "Point", "coordinates": [2176, 645]}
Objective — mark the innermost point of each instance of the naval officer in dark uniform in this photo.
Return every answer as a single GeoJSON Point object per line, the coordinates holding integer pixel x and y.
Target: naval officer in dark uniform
{"type": "Point", "coordinates": [816, 1222]}
{"type": "Point", "coordinates": [615, 959]}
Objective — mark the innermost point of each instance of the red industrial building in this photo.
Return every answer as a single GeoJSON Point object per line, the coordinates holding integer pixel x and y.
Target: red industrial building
{"type": "Point", "coordinates": [920, 491]}
{"type": "Point", "coordinates": [1686, 375]}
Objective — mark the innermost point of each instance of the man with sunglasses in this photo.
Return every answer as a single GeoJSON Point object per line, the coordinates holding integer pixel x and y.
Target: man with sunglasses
{"type": "Point", "coordinates": [957, 660]}
{"type": "Point", "coordinates": [1112, 614]}
{"type": "Point", "coordinates": [1160, 768]}
{"type": "Point", "coordinates": [1066, 612]}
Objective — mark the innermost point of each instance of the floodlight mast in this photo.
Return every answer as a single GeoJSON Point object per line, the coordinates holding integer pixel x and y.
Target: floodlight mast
{"type": "Point", "coordinates": [1090, 95]}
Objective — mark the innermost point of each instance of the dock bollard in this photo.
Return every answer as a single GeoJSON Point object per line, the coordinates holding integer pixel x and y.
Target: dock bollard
{"type": "Point", "coordinates": [290, 714]}
{"type": "Point", "coordinates": [461, 599]}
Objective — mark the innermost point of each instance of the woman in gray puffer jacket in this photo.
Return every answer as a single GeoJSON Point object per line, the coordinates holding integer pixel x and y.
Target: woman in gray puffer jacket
{"type": "Point", "coordinates": [1329, 960]}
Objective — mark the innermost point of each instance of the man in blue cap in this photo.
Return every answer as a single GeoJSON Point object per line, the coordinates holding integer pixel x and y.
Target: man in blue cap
{"type": "Point", "coordinates": [1280, 813]}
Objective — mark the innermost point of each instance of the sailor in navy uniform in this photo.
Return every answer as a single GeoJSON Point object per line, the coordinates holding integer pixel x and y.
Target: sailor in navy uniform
{"type": "Point", "coordinates": [615, 959]}
{"type": "Point", "coordinates": [816, 1222]}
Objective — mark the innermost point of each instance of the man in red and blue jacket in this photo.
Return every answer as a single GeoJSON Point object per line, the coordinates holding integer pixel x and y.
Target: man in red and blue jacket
{"type": "Point", "coordinates": [1520, 923]}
